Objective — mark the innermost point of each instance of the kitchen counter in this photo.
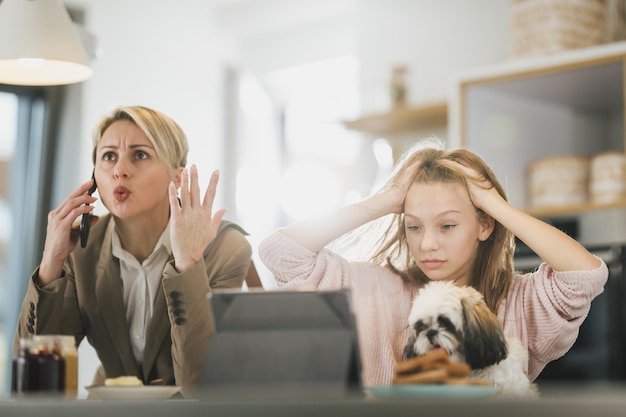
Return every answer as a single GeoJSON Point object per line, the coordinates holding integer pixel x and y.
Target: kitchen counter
{"type": "Point", "coordinates": [559, 400]}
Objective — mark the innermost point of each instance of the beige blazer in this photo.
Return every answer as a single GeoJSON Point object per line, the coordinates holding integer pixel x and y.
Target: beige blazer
{"type": "Point", "coordinates": [87, 301]}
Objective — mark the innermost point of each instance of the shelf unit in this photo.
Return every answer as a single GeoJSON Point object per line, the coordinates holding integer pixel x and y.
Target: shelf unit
{"type": "Point", "coordinates": [402, 119]}
{"type": "Point", "coordinates": [573, 210]}
{"type": "Point", "coordinates": [568, 104]}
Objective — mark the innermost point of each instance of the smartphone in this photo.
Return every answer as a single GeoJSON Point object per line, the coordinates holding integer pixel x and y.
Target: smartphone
{"type": "Point", "coordinates": [85, 222]}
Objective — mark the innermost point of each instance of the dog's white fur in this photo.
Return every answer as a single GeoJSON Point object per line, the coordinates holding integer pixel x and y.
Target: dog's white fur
{"type": "Point", "coordinates": [457, 319]}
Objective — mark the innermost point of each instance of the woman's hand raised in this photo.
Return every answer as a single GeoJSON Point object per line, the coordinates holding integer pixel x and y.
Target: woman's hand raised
{"type": "Point", "coordinates": [193, 225]}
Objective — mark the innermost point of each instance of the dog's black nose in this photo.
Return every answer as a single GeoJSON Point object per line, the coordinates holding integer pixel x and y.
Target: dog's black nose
{"type": "Point", "coordinates": [431, 334]}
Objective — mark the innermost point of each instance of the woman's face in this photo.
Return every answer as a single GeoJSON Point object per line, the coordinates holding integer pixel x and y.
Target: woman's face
{"type": "Point", "coordinates": [131, 180]}
{"type": "Point", "coordinates": [443, 230]}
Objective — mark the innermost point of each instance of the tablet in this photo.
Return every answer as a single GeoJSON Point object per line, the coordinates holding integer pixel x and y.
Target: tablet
{"type": "Point", "coordinates": [282, 343]}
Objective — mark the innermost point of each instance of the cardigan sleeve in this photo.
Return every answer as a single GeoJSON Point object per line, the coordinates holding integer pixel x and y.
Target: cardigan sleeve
{"type": "Point", "coordinates": [294, 266]}
{"type": "Point", "coordinates": [546, 308]}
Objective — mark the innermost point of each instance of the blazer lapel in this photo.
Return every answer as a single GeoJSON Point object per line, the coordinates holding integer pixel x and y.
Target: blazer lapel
{"type": "Point", "coordinates": [109, 293]}
{"type": "Point", "coordinates": [158, 330]}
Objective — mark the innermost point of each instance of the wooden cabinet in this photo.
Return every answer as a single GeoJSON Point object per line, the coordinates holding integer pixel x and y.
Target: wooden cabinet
{"type": "Point", "coordinates": [568, 104]}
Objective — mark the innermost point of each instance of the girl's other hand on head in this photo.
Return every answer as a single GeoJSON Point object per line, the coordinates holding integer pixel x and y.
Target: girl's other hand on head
{"type": "Point", "coordinates": [478, 186]}
{"type": "Point", "coordinates": [396, 188]}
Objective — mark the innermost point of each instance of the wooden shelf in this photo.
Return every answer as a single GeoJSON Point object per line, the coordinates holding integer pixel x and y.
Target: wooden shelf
{"type": "Point", "coordinates": [573, 210]}
{"type": "Point", "coordinates": [515, 113]}
{"type": "Point", "coordinates": [402, 119]}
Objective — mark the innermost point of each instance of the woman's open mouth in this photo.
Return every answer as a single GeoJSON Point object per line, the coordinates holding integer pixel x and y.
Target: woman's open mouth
{"type": "Point", "coordinates": [121, 193]}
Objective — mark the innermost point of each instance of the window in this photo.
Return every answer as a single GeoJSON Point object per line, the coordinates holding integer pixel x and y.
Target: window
{"type": "Point", "coordinates": [8, 134]}
{"type": "Point", "coordinates": [316, 154]}
{"type": "Point", "coordinates": [27, 136]}
{"type": "Point", "coordinates": [291, 135]}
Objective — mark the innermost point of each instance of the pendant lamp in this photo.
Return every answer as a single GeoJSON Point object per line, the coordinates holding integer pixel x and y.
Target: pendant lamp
{"type": "Point", "coordinates": [39, 44]}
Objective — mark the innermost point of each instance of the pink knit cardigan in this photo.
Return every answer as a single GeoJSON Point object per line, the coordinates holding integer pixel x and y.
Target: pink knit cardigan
{"type": "Point", "coordinates": [544, 309]}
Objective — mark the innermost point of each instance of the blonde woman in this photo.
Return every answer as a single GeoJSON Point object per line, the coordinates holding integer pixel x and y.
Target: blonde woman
{"type": "Point", "coordinates": [138, 289]}
{"type": "Point", "coordinates": [448, 220]}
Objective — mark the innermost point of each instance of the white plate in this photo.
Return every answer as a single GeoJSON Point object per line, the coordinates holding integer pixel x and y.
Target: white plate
{"type": "Point", "coordinates": [146, 392]}
{"type": "Point", "coordinates": [431, 391]}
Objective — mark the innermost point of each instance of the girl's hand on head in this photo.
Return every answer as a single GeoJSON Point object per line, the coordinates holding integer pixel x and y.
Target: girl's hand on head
{"type": "Point", "coordinates": [396, 188]}
{"type": "Point", "coordinates": [479, 187]}
{"type": "Point", "coordinates": [193, 225]}
{"type": "Point", "coordinates": [62, 232]}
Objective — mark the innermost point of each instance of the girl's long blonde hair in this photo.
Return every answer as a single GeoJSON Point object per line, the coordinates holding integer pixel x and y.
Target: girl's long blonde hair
{"type": "Point", "coordinates": [493, 268]}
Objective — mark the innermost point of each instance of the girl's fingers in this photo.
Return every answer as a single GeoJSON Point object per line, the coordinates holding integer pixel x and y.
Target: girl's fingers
{"type": "Point", "coordinates": [469, 173]}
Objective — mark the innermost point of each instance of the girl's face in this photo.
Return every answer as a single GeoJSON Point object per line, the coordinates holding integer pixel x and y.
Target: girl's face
{"type": "Point", "coordinates": [443, 230]}
{"type": "Point", "coordinates": [131, 180]}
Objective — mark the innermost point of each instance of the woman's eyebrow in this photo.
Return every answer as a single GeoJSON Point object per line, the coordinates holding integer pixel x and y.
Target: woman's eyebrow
{"type": "Point", "coordinates": [134, 146]}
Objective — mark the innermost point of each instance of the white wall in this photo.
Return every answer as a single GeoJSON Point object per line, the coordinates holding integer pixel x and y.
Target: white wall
{"type": "Point", "coordinates": [160, 54]}
{"type": "Point", "coordinates": [433, 38]}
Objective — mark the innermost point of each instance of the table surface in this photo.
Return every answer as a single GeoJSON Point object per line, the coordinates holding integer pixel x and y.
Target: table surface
{"type": "Point", "coordinates": [570, 401]}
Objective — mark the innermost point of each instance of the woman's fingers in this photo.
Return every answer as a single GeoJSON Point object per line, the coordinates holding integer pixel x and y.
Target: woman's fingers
{"type": "Point", "coordinates": [216, 220]}
{"type": "Point", "coordinates": [184, 189]}
{"type": "Point", "coordinates": [61, 235]}
{"type": "Point", "coordinates": [194, 188]}
{"type": "Point", "coordinates": [209, 195]}
{"type": "Point", "coordinates": [74, 204]}
{"type": "Point", "coordinates": [174, 206]}
{"type": "Point", "coordinates": [190, 188]}
{"type": "Point", "coordinates": [195, 225]}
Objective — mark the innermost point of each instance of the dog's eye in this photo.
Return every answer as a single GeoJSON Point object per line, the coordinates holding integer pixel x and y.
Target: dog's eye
{"type": "Point", "coordinates": [445, 322]}
{"type": "Point", "coordinates": [419, 326]}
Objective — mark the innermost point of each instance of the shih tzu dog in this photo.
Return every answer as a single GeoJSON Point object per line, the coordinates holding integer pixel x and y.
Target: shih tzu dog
{"type": "Point", "coordinates": [446, 316]}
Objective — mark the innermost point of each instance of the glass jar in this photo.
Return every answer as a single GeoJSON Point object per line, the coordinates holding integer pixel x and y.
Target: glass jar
{"type": "Point", "coordinates": [70, 356]}
{"type": "Point", "coordinates": [39, 367]}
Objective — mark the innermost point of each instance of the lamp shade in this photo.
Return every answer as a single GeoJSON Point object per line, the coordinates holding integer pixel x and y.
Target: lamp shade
{"type": "Point", "coordinates": [39, 44]}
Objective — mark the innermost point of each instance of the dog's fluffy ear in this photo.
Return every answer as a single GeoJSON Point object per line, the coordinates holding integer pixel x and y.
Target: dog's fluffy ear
{"type": "Point", "coordinates": [409, 350]}
{"type": "Point", "coordinates": [484, 340]}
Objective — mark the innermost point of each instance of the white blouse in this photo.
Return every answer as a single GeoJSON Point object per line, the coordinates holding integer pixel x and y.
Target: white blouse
{"type": "Point", "coordinates": [140, 283]}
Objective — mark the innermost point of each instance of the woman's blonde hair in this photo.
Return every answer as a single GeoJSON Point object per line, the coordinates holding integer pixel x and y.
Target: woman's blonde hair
{"type": "Point", "coordinates": [493, 269]}
{"type": "Point", "coordinates": [165, 135]}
